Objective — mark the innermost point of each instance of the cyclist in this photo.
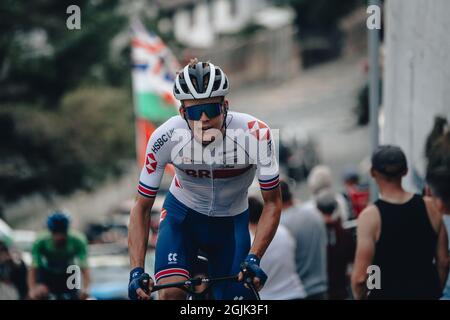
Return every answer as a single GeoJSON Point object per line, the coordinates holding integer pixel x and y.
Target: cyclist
{"type": "Point", "coordinates": [206, 207]}
{"type": "Point", "coordinates": [52, 253]}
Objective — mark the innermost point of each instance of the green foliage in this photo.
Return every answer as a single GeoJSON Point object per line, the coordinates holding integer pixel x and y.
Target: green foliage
{"type": "Point", "coordinates": [66, 117]}
{"type": "Point", "coordinates": [41, 59]}
{"type": "Point", "coordinates": [87, 140]}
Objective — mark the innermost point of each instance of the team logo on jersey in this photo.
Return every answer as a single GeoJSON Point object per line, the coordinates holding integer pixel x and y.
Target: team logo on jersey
{"type": "Point", "coordinates": [163, 139]}
{"type": "Point", "coordinates": [259, 130]}
{"type": "Point", "coordinates": [172, 257]}
{"type": "Point", "coordinates": [150, 163]}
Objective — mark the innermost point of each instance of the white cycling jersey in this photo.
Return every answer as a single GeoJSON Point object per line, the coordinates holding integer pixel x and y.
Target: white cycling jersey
{"type": "Point", "coordinates": [211, 187]}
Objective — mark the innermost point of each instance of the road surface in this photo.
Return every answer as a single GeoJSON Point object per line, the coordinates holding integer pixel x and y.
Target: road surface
{"type": "Point", "coordinates": [319, 102]}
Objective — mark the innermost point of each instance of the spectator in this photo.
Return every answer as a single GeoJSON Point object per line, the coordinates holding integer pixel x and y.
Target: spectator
{"type": "Point", "coordinates": [13, 275]}
{"type": "Point", "coordinates": [403, 234]}
{"type": "Point", "coordinates": [278, 262]}
{"type": "Point", "coordinates": [319, 179]}
{"type": "Point", "coordinates": [438, 179]}
{"type": "Point", "coordinates": [446, 293]}
{"type": "Point", "coordinates": [308, 229]}
{"type": "Point", "coordinates": [357, 195]}
{"type": "Point", "coordinates": [340, 249]}
{"type": "Point", "coordinates": [439, 129]}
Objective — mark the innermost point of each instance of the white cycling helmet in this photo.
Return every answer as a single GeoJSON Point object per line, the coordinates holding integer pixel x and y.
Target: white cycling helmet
{"type": "Point", "coordinates": [199, 81]}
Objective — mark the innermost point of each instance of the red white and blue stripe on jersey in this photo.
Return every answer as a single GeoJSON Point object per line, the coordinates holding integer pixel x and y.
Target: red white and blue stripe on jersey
{"type": "Point", "coordinates": [269, 184]}
{"type": "Point", "coordinates": [147, 191]}
{"type": "Point", "coordinates": [172, 272]}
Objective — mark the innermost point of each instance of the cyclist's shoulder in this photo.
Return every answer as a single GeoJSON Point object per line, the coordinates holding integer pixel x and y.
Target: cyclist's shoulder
{"type": "Point", "coordinates": [244, 121]}
{"type": "Point", "coordinates": [163, 138]}
{"type": "Point", "coordinates": [166, 130]}
{"type": "Point", "coordinates": [77, 237]}
{"type": "Point", "coordinates": [42, 240]}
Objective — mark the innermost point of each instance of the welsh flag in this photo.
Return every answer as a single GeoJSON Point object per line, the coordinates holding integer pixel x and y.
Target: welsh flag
{"type": "Point", "coordinates": [154, 70]}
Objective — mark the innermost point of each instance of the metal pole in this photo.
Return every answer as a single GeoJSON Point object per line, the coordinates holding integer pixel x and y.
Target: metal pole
{"type": "Point", "coordinates": [374, 91]}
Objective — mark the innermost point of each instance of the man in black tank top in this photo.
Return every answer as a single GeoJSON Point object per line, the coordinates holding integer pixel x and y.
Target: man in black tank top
{"type": "Point", "coordinates": [401, 235]}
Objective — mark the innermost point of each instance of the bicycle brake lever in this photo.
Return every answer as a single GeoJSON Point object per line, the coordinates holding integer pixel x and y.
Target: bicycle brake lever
{"type": "Point", "coordinates": [145, 279]}
{"type": "Point", "coordinates": [248, 275]}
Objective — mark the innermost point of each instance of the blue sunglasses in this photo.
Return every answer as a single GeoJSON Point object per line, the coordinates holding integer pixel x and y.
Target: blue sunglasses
{"type": "Point", "coordinates": [212, 110]}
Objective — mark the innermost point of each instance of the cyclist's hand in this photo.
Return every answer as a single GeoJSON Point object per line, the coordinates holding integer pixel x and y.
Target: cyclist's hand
{"type": "Point", "coordinates": [140, 285]}
{"type": "Point", "coordinates": [40, 291]}
{"type": "Point", "coordinates": [250, 270]}
{"type": "Point", "coordinates": [84, 295]}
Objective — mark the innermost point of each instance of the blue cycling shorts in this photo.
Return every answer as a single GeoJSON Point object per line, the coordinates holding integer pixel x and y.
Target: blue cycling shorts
{"type": "Point", "coordinates": [225, 240]}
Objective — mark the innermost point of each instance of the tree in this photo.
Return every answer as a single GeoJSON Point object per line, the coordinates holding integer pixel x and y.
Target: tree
{"type": "Point", "coordinates": [56, 135]}
{"type": "Point", "coordinates": [89, 139]}
{"type": "Point", "coordinates": [41, 59]}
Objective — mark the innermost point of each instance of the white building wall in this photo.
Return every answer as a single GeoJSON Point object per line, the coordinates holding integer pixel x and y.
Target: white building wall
{"type": "Point", "coordinates": [224, 21]}
{"type": "Point", "coordinates": [416, 76]}
{"type": "Point", "coordinates": [193, 27]}
{"type": "Point", "coordinates": [181, 24]}
{"type": "Point", "coordinates": [211, 19]}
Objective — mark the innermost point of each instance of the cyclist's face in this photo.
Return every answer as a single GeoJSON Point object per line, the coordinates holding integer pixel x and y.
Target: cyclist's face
{"type": "Point", "coordinates": [205, 129]}
{"type": "Point", "coordinates": [59, 239]}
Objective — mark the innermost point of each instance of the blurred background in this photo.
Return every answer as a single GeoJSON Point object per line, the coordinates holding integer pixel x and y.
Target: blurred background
{"type": "Point", "coordinates": [76, 106]}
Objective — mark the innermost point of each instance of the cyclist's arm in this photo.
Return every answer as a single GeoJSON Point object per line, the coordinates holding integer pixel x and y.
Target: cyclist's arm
{"type": "Point", "coordinates": [268, 223]}
{"type": "Point", "coordinates": [35, 291]}
{"type": "Point", "coordinates": [83, 263]}
{"type": "Point", "coordinates": [268, 177]}
{"type": "Point", "coordinates": [31, 278]}
{"type": "Point", "coordinates": [86, 279]}
{"type": "Point", "coordinates": [138, 230]}
{"type": "Point", "coordinates": [36, 263]}
{"type": "Point", "coordinates": [368, 224]}
{"type": "Point", "coordinates": [157, 156]}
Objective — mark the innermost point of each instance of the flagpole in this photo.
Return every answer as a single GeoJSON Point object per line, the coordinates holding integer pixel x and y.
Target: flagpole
{"type": "Point", "coordinates": [374, 91]}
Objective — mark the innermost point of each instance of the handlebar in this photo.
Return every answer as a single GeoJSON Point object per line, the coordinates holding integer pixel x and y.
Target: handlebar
{"type": "Point", "coordinates": [194, 282]}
